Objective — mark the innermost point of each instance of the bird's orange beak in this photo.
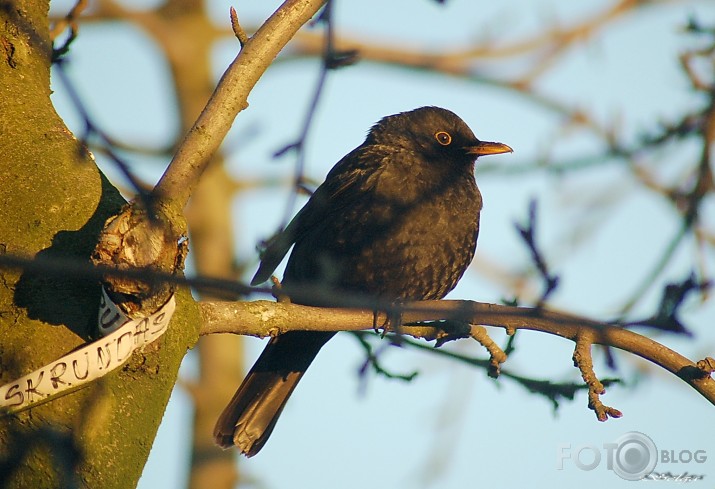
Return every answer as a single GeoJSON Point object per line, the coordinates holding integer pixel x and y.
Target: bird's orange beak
{"type": "Point", "coordinates": [488, 148]}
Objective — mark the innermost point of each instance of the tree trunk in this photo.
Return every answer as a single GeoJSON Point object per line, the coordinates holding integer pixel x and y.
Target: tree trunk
{"type": "Point", "coordinates": [53, 204]}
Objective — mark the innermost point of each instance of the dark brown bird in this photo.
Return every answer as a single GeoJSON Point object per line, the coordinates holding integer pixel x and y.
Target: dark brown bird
{"type": "Point", "coordinates": [396, 218]}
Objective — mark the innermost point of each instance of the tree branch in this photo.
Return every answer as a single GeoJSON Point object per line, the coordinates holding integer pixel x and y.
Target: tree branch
{"type": "Point", "coordinates": [267, 318]}
{"type": "Point", "coordinates": [230, 97]}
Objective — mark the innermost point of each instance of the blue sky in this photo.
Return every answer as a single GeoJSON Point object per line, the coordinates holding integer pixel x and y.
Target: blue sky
{"type": "Point", "coordinates": [453, 427]}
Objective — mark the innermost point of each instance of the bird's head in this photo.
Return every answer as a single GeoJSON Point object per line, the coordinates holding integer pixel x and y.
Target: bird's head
{"type": "Point", "coordinates": [435, 133]}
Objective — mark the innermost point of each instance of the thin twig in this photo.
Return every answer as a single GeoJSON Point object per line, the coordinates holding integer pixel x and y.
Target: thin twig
{"type": "Point", "coordinates": [527, 233]}
{"type": "Point", "coordinates": [496, 354]}
{"type": "Point", "coordinates": [237, 29]}
{"type": "Point", "coordinates": [91, 128]}
{"type": "Point", "coordinates": [553, 391]}
{"type": "Point", "coordinates": [372, 359]}
{"type": "Point", "coordinates": [69, 20]}
{"type": "Point", "coordinates": [583, 360]}
{"type": "Point", "coordinates": [330, 60]}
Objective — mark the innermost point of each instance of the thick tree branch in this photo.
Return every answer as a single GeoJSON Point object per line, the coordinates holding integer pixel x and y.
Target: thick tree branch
{"type": "Point", "coordinates": [266, 318]}
{"type": "Point", "coordinates": [229, 98]}
{"type": "Point", "coordinates": [120, 243]}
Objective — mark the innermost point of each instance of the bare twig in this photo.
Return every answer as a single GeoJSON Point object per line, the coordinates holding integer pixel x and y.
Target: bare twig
{"type": "Point", "coordinates": [76, 269]}
{"type": "Point", "coordinates": [547, 43]}
{"type": "Point", "coordinates": [331, 59]}
{"type": "Point", "coordinates": [58, 27]}
{"type": "Point", "coordinates": [91, 128]}
{"type": "Point", "coordinates": [553, 391]}
{"type": "Point", "coordinates": [666, 318]}
{"type": "Point", "coordinates": [237, 29]}
{"type": "Point", "coordinates": [583, 360]}
{"type": "Point", "coordinates": [527, 233]}
{"type": "Point", "coordinates": [372, 359]}
{"type": "Point", "coordinates": [496, 354]}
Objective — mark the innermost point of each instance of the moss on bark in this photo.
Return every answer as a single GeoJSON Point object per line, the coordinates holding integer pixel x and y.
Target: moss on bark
{"type": "Point", "coordinates": [53, 203]}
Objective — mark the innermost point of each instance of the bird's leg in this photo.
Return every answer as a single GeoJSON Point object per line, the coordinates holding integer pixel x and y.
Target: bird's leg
{"type": "Point", "coordinates": [394, 324]}
{"type": "Point", "coordinates": [375, 319]}
{"type": "Point", "coordinates": [391, 323]}
{"type": "Point", "coordinates": [394, 321]}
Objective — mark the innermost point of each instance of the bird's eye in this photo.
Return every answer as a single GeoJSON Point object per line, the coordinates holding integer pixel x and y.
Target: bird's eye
{"type": "Point", "coordinates": [443, 138]}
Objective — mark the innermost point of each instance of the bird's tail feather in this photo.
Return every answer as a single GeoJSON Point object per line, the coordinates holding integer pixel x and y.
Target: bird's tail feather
{"type": "Point", "coordinates": [250, 417]}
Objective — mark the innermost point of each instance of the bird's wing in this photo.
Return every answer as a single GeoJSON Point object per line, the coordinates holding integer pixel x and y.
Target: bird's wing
{"type": "Point", "coordinates": [278, 245]}
{"type": "Point", "coordinates": [354, 176]}
{"type": "Point", "coordinates": [351, 178]}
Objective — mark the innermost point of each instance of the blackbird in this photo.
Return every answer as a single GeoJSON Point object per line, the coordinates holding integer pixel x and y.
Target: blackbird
{"type": "Point", "coordinates": [397, 218]}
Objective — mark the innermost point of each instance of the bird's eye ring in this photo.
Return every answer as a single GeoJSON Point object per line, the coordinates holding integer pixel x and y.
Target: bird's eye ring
{"type": "Point", "coordinates": [443, 138]}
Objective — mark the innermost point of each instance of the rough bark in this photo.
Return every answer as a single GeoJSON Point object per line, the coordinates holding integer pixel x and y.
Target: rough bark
{"type": "Point", "coordinates": [53, 203]}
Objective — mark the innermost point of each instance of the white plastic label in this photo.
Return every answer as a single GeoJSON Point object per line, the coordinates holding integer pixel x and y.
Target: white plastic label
{"type": "Point", "coordinates": [121, 337]}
